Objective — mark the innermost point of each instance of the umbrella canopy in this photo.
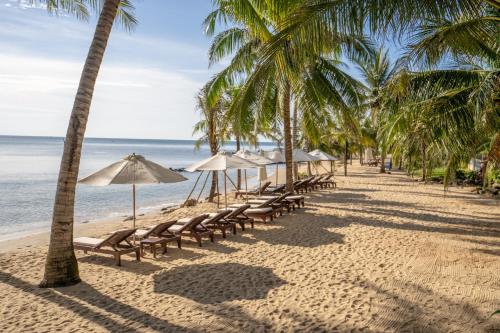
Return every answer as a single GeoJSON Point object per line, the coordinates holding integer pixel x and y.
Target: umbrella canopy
{"type": "Point", "coordinates": [254, 157]}
{"type": "Point", "coordinates": [132, 169]}
{"type": "Point", "coordinates": [275, 155]}
{"type": "Point", "coordinates": [220, 162]}
{"type": "Point", "coordinates": [322, 156]}
{"type": "Point", "coordinates": [298, 155]}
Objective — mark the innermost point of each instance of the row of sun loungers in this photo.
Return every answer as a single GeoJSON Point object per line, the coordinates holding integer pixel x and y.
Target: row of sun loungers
{"type": "Point", "coordinates": [265, 208]}
{"type": "Point", "coordinates": [198, 227]}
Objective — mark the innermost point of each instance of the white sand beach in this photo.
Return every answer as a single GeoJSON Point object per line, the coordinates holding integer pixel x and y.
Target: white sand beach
{"type": "Point", "coordinates": [381, 253]}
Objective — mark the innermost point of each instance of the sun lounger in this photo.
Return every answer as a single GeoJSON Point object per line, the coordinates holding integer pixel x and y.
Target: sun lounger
{"type": "Point", "coordinates": [328, 182]}
{"type": "Point", "coordinates": [116, 244]}
{"type": "Point", "coordinates": [255, 191]}
{"type": "Point", "coordinates": [238, 215]}
{"type": "Point", "coordinates": [193, 228]}
{"type": "Point", "coordinates": [301, 186]}
{"type": "Point", "coordinates": [216, 221]}
{"type": "Point", "coordinates": [261, 210]}
{"type": "Point", "coordinates": [314, 183]}
{"type": "Point", "coordinates": [298, 200]}
{"type": "Point", "coordinates": [157, 235]}
{"type": "Point", "coordinates": [278, 204]}
{"type": "Point", "coordinates": [274, 189]}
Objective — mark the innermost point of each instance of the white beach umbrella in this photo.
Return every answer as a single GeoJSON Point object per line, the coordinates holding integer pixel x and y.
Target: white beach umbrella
{"type": "Point", "coordinates": [298, 155]}
{"type": "Point", "coordinates": [133, 169]}
{"type": "Point", "coordinates": [322, 156]}
{"type": "Point", "coordinates": [222, 161]}
{"type": "Point", "coordinates": [277, 157]}
{"type": "Point", "coordinates": [262, 161]}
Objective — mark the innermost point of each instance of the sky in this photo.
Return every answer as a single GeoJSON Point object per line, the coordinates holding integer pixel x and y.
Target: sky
{"type": "Point", "coordinates": [146, 86]}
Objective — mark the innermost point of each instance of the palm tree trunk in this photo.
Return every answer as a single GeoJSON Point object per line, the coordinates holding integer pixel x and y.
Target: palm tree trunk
{"type": "Point", "coordinates": [213, 187]}
{"type": "Point", "coordinates": [287, 138]}
{"type": "Point", "coordinates": [61, 267]}
{"type": "Point", "coordinates": [295, 137]}
{"type": "Point", "coordinates": [346, 153]}
{"type": "Point", "coordinates": [361, 156]}
{"type": "Point", "coordinates": [382, 164]}
{"type": "Point", "coordinates": [238, 172]}
{"type": "Point", "coordinates": [424, 163]}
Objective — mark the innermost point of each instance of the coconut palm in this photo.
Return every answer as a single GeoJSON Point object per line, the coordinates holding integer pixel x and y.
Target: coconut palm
{"type": "Point", "coordinates": [61, 267]}
{"type": "Point", "coordinates": [212, 128]}
{"type": "Point", "coordinates": [377, 71]}
{"type": "Point", "coordinates": [314, 82]}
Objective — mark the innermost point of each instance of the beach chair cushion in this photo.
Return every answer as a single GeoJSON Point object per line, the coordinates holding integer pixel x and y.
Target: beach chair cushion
{"type": "Point", "coordinates": [263, 210]}
{"type": "Point", "coordinates": [88, 241]}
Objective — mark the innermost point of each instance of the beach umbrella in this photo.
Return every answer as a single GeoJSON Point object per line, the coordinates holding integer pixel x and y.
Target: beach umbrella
{"type": "Point", "coordinates": [277, 157]}
{"type": "Point", "coordinates": [222, 161]}
{"type": "Point", "coordinates": [257, 159]}
{"type": "Point", "coordinates": [131, 170]}
{"type": "Point", "coordinates": [322, 156]}
{"type": "Point", "coordinates": [298, 155]}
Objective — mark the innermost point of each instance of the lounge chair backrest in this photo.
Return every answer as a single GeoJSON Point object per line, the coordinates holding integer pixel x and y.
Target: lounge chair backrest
{"type": "Point", "coordinates": [234, 213]}
{"type": "Point", "coordinates": [217, 217]}
{"type": "Point", "coordinates": [117, 237]}
{"type": "Point", "coordinates": [268, 202]}
{"type": "Point", "coordinates": [264, 186]}
{"type": "Point", "coordinates": [283, 196]}
{"type": "Point", "coordinates": [194, 222]}
{"type": "Point", "coordinates": [159, 228]}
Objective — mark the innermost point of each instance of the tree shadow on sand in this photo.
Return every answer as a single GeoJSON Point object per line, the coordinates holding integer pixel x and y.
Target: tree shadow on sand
{"type": "Point", "coordinates": [82, 299]}
{"type": "Point", "coordinates": [216, 283]}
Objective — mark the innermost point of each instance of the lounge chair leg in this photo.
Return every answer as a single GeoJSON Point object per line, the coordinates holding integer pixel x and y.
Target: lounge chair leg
{"type": "Point", "coordinates": [212, 237]}
{"type": "Point", "coordinates": [223, 232]}
{"type": "Point", "coordinates": [138, 254]}
{"type": "Point", "coordinates": [198, 239]}
{"type": "Point", "coordinates": [242, 225]}
{"type": "Point", "coordinates": [179, 243]}
{"type": "Point", "coordinates": [234, 229]}
{"type": "Point", "coordinates": [118, 259]}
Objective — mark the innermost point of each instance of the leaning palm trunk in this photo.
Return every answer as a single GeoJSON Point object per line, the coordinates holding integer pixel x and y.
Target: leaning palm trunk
{"type": "Point", "coordinates": [238, 172]}
{"type": "Point", "coordinates": [61, 267]}
{"type": "Point", "coordinates": [424, 164]}
{"type": "Point", "coordinates": [346, 153]}
{"type": "Point", "coordinates": [288, 138]}
{"type": "Point", "coordinates": [383, 155]}
{"type": "Point", "coordinates": [295, 138]}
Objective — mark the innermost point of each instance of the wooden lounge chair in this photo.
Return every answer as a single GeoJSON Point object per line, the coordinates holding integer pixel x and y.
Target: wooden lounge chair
{"type": "Point", "coordinates": [328, 182]}
{"type": "Point", "coordinates": [278, 204]}
{"type": "Point", "coordinates": [116, 244]}
{"type": "Point", "coordinates": [314, 183]}
{"type": "Point", "coordinates": [298, 200]}
{"type": "Point", "coordinates": [301, 186]}
{"type": "Point", "coordinates": [157, 235]}
{"type": "Point", "coordinates": [216, 221]}
{"type": "Point", "coordinates": [255, 191]}
{"type": "Point", "coordinates": [274, 189]}
{"type": "Point", "coordinates": [261, 210]}
{"type": "Point", "coordinates": [237, 215]}
{"type": "Point", "coordinates": [192, 227]}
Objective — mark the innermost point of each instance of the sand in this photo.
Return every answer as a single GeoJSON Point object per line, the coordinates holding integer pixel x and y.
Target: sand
{"type": "Point", "coordinates": [381, 253]}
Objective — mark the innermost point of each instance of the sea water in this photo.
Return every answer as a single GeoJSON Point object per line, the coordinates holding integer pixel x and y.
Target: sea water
{"type": "Point", "coordinates": [29, 168]}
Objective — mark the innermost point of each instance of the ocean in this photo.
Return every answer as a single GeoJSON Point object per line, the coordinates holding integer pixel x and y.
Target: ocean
{"type": "Point", "coordinates": [29, 168]}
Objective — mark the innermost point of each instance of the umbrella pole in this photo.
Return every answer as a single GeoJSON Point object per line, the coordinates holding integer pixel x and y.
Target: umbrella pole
{"type": "Point", "coordinates": [203, 187]}
{"type": "Point", "coordinates": [225, 189]}
{"type": "Point", "coordinates": [196, 183]}
{"type": "Point", "coordinates": [133, 208]}
{"type": "Point", "coordinates": [218, 194]}
{"type": "Point", "coordinates": [246, 185]}
{"type": "Point", "coordinates": [276, 174]}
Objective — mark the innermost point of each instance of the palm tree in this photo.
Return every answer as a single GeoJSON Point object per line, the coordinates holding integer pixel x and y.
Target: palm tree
{"type": "Point", "coordinates": [270, 82]}
{"type": "Point", "coordinates": [61, 267]}
{"type": "Point", "coordinates": [377, 71]}
{"type": "Point", "coordinates": [212, 129]}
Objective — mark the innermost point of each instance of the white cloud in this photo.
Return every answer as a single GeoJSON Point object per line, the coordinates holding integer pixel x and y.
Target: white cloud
{"type": "Point", "coordinates": [36, 96]}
